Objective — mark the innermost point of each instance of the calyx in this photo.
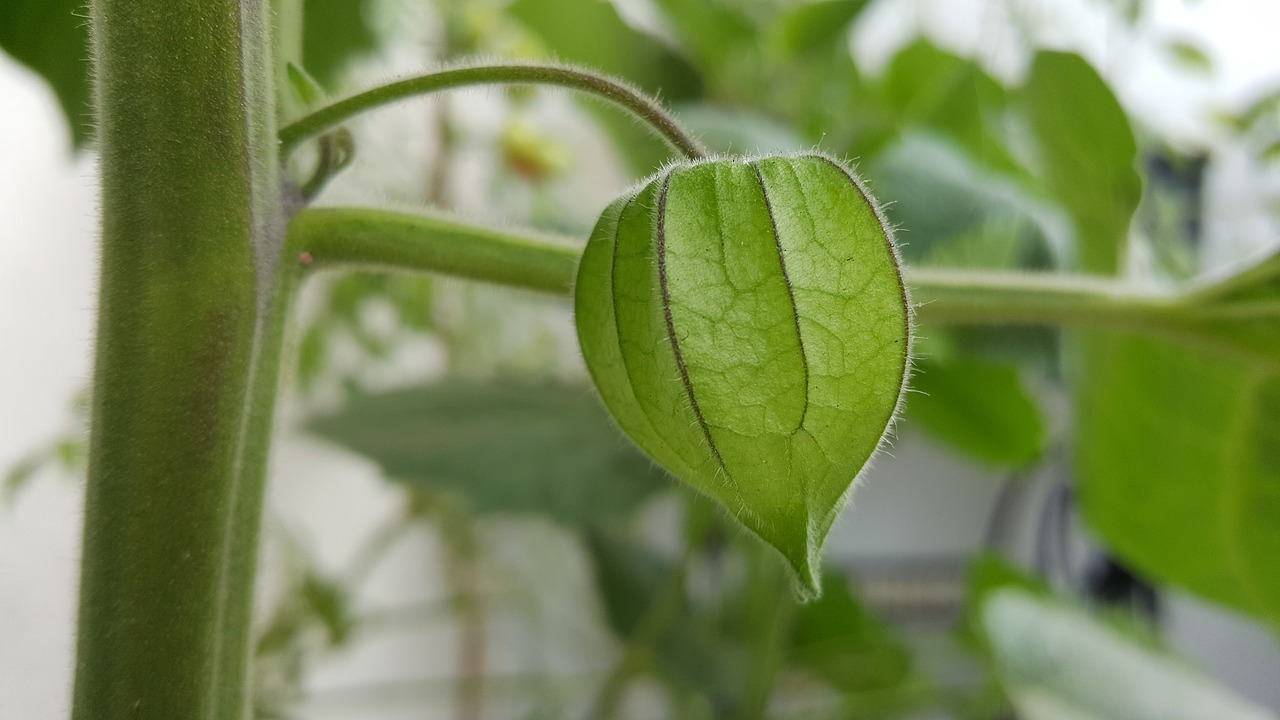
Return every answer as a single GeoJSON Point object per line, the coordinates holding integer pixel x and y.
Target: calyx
{"type": "Point", "coordinates": [746, 324]}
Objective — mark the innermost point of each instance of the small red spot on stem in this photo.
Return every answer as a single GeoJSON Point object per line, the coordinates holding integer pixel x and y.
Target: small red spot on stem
{"type": "Point", "coordinates": [305, 258]}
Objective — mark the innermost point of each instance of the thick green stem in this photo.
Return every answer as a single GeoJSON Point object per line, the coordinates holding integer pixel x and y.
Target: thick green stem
{"type": "Point", "coordinates": [619, 93]}
{"type": "Point", "coordinates": [192, 294]}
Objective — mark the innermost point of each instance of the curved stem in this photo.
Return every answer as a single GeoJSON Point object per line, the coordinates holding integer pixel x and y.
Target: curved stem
{"type": "Point", "coordinates": [617, 92]}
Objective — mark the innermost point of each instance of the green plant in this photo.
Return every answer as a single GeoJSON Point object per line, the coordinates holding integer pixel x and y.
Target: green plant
{"type": "Point", "coordinates": [207, 232]}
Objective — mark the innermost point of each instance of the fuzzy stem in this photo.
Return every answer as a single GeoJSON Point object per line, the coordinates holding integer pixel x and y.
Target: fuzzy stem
{"type": "Point", "coordinates": [188, 346]}
{"type": "Point", "coordinates": [617, 92]}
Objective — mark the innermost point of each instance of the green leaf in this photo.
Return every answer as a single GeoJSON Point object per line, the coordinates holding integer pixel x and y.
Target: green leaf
{"type": "Point", "coordinates": [745, 323]}
{"type": "Point", "coordinates": [591, 33]}
{"type": "Point", "coordinates": [1266, 105]}
{"type": "Point", "coordinates": [1190, 56]}
{"type": "Point", "coordinates": [738, 131]}
{"type": "Point", "coordinates": [837, 639]}
{"type": "Point", "coordinates": [986, 574]}
{"type": "Point", "coordinates": [1271, 153]}
{"type": "Point", "coordinates": [504, 447]}
{"type": "Point", "coordinates": [330, 603]}
{"type": "Point", "coordinates": [691, 647]}
{"type": "Point", "coordinates": [951, 214]}
{"type": "Point", "coordinates": [1178, 458]}
{"type": "Point", "coordinates": [1256, 281]}
{"type": "Point", "coordinates": [977, 407]}
{"type": "Point", "coordinates": [816, 25]}
{"type": "Point", "coordinates": [1088, 154]}
{"type": "Point", "coordinates": [334, 32]}
{"type": "Point", "coordinates": [950, 95]}
{"type": "Point", "coordinates": [629, 577]}
{"type": "Point", "coordinates": [1060, 664]}
{"type": "Point", "coordinates": [313, 353]}
{"type": "Point", "coordinates": [720, 38]}
{"type": "Point", "coordinates": [306, 89]}
{"type": "Point", "coordinates": [52, 38]}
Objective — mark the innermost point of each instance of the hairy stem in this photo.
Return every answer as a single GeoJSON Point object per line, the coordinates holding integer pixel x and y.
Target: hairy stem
{"type": "Point", "coordinates": [188, 345]}
{"type": "Point", "coordinates": [617, 92]}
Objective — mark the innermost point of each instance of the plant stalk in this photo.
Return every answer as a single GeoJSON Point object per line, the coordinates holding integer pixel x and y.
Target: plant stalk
{"type": "Point", "coordinates": [402, 241]}
{"type": "Point", "coordinates": [188, 347]}
{"type": "Point", "coordinates": [410, 241]}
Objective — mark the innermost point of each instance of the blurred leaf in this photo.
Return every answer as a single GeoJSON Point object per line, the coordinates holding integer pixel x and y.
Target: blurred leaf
{"type": "Point", "coordinates": [351, 294]}
{"type": "Point", "coordinates": [1271, 153]}
{"type": "Point", "coordinates": [1245, 121]}
{"type": "Point", "coordinates": [1248, 284]}
{"type": "Point", "coordinates": [837, 639]}
{"type": "Point", "coordinates": [330, 603]}
{"type": "Point", "coordinates": [1059, 664]}
{"type": "Point", "coordinates": [313, 353]}
{"type": "Point", "coordinates": [20, 474]}
{"type": "Point", "coordinates": [987, 573]}
{"type": "Point", "coordinates": [1253, 338]}
{"type": "Point", "coordinates": [1240, 315]}
{"type": "Point", "coordinates": [738, 131]}
{"type": "Point", "coordinates": [68, 453]}
{"type": "Point", "coordinates": [1088, 154]}
{"type": "Point", "coordinates": [953, 96]}
{"type": "Point", "coordinates": [825, 98]}
{"type": "Point", "coordinates": [1130, 10]}
{"type": "Point", "coordinates": [998, 242]}
{"type": "Point", "coordinates": [306, 89]}
{"type": "Point", "coordinates": [977, 407]}
{"type": "Point", "coordinates": [728, 642]}
{"type": "Point", "coordinates": [1179, 466]}
{"type": "Point", "coordinates": [695, 649]}
{"type": "Point", "coordinates": [334, 32]}
{"type": "Point", "coordinates": [629, 577]}
{"type": "Point", "coordinates": [814, 25]}
{"type": "Point", "coordinates": [591, 32]}
{"type": "Point", "coordinates": [1266, 105]}
{"type": "Point", "coordinates": [948, 213]}
{"type": "Point", "coordinates": [504, 447]}
{"type": "Point", "coordinates": [720, 38]}
{"type": "Point", "coordinates": [414, 300]}
{"type": "Point", "coordinates": [52, 38]}
{"type": "Point", "coordinates": [1190, 56]}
